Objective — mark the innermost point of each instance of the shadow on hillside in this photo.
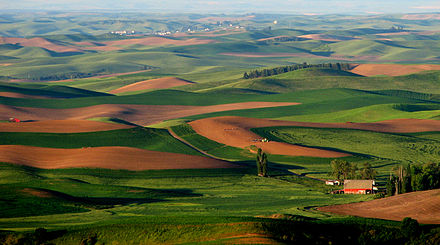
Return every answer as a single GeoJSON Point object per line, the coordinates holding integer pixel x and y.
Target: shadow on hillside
{"type": "Point", "coordinates": [140, 196]}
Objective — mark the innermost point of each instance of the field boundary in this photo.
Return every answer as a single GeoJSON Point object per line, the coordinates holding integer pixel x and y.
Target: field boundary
{"type": "Point", "coordinates": [172, 133]}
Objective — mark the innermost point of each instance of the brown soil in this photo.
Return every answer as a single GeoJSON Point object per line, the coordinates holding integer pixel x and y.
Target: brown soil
{"type": "Point", "coordinates": [37, 193]}
{"type": "Point", "coordinates": [421, 17]}
{"type": "Point", "coordinates": [6, 64]}
{"type": "Point", "coordinates": [424, 206]}
{"type": "Point", "coordinates": [103, 48]}
{"type": "Point", "coordinates": [391, 69]}
{"type": "Point", "coordinates": [428, 33]}
{"type": "Point", "coordinates": [159, 83]}
{"type": "Point", "coordinates": [235, 131]}
{"type": "Point", "coordinates": [104, 157]}
{"type": "Point", "coordinates": [219, 33]}
{"type": "Point", "coordinates": [138, 114]}
{"type": "Point", "coordinates": [23, 96]}
{"type": "Point", "coordinates": [39, 42]}
{"type": "Point", "coordinates": [60, 126]}
{"type": "Point", "coordinates": [394, 33]}
{"type": "Point", "coordinates": [85, 43]}
{"type": "Point", "coordinates": [156, 41]}
{"type": "Point", "coordinates": [271, 38]}
{"type": "Point", "coordinates": [328, 38]}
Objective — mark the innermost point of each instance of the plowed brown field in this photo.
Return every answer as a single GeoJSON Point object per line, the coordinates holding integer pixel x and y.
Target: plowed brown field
{"type": "Point", "coordinates": [423, 206]}
{"type": "Point", "coordinates": [39, 42]}
{"type": "Point", "coordinates": [146, 41]}
{"type": "Point", "coordinates": [235, 131]}
{"type": "Point", "coordinates": [327, 38]}
{"type": "Point", "coordinates": [60, 126]}
{"type": "Point", "coordinates": [391, 69]}
{"type": "Point", "coordinates": [105, 157]}
{"type": "Point", "coordinates": [159, 83]}
{"type": "Point", "coordinates": [138, 114]}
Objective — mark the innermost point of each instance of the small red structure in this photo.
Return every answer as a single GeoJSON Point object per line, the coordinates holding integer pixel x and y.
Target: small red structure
{"type": "Point", "coordinates": [13, 119]}
{"type": "Point", "coordinates": [358, 186]}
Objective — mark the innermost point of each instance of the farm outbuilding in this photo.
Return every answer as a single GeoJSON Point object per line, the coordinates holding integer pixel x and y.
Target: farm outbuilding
{"type": "Point", "coordinates": [13, 119]}
{"type": "Point", "coordinates": [332, 182]}
{"type": "Point", "coordinates": [359, 186]}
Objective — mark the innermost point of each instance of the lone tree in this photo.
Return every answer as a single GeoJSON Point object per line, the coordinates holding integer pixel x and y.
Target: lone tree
{"type": "Point", "coordinates": [410, 228]}
{"type": "Point", "coordinates": [261, 163]}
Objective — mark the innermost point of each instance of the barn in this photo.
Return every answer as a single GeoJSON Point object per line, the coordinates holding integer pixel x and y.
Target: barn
{"type": "Point", "coordinates": [13, 119]}
{"type": "Point", "coordinates": [359, 186]}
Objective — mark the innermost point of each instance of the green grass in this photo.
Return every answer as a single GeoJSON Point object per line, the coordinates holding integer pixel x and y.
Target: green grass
{"type": "Point", "coordinates": [168, 123]}
{"type": "Point", "coordinates": [212, 205]}
{"type": "Point", "coordinates": [372, 113]}
{"type": "Point", "coordinates": [161, 97]}
{"type": "Point", "coordinates": [394, 148]}
{"type": "Point", "coordinates": [57, 91]}
{"type": "Point", "coordinates": [183, 193]}
{"type": "Point", "coordinates": [144, 138]}
{"type": "Point", "coordinates": [212, 147]}
{"type": "Point", "coordinates": [426, 82]}
{"type": "Point", "coordinates": [314, 102]}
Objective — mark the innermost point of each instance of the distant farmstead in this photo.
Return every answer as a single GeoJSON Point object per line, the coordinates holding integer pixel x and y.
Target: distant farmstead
{"type": "Point", "coordinates": [13, 119]}
{"type": "Point", "coordinates": [359, 186]}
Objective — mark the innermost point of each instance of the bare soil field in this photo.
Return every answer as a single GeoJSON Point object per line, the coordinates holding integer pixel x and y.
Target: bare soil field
{"type": "Point", "coordinates": [138, 114]}
{"type": "Point", "coordinates": [159, 83]}
{"type": "Point", "coordinates": [217, 33]}
{"type": "Point", "coordinates": [105, 157]}
{"type": "Point", "coordinates": [424, 206]}
{"type": "Point", "coordinates": [37, 193]}
{"type": "Point", "coordinates": [23, 96]}
{"type": "Point", "coordinates": [235, 131]}
{"type": "Point", "coordinates": [394, 33]}
{"type": "Point", "coordinates": [327, 38]}
{"type": "Point", "coordinates": [421, 17]}
{"type": "Point", "coordinates": [147, 41]}
{"type": "Point", "coordinates": [60, 126]}
{"type": "Point", "coordinates": [272, 38]}
{"type": "Point", "coordinates": [39, 42]}
{"type": "Point", "coordinates": [391, 69]}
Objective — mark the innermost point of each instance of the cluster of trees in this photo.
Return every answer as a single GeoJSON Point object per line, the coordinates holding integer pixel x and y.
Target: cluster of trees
{"type": "Point", "coordinates": [342, 170]}
{"type": "Point", "coordinates": [414, 177]}
{"type": "Point", "coordinates": [281, 39]}
{"type": "Point", "coordinates": [284, 69]}
{"type": "Point", "coordinates": [261, 163]}
{"type": "Point", "coordinates": [72, 75]}
{"type": "Point", "coordinates": [76, 75]}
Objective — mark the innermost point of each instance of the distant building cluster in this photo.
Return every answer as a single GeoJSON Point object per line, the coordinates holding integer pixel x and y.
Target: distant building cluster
{"type": "Point", "coordinates": [165, 33]}
{"type": "Point", "coordinates": [122, 33]}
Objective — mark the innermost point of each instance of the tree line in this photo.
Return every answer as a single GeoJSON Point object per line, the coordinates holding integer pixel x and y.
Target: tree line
{"type": "Point", "coordinates": [284, 69]}
{"type": "Point", "coordinates": [342, 170]}
{"type": "Point", "coordinates": [414, 177]}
